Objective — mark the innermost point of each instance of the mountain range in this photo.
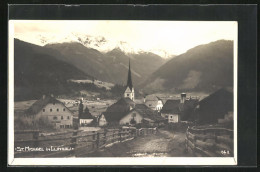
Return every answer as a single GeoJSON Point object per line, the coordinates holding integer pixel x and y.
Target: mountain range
{"type": "Point", "coordinates": [202, 68]}
{"type": "Point", "coordinates": [100, 43]}
{"type": "Point", "coordinates": [41, 69]}
{"type": "Point", "coordinates": [37, 72]}
{"type": "Point", "coordinates": [111, 66]}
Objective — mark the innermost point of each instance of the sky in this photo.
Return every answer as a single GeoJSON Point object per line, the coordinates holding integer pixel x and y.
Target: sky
{"type": "Point", "coordinates": [172, 37]}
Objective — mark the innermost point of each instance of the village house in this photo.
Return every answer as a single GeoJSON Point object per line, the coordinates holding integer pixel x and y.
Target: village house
{"type": "Point", "coordinates": [54, 110]}
{"type": "Point", "coordinates": [141, 114]}
{"type": "Point", "coordinates": [153, 102]}
{"type": "Point", "coordinates": [217, 106]}
{"type": "Point", "coordinates": [179, 110]}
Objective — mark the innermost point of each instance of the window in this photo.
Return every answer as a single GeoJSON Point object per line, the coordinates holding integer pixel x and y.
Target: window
{"type": "Point", "coordinates": [50, 110]}
{"type": "Point", "coordinates": [127, 94]}
{"type": "Point", "coordinates": [68, 117]}
{"type": "Point", "coordinates": [55, 118]}
{"type": "Point", "coordinates": [61, 117]}
{"type": "Point", "coordinates": [43, 110]}
{"type": "Point", "coordinates": [58, 110]}
{"type": "Point", "coordinates": [63, 109]}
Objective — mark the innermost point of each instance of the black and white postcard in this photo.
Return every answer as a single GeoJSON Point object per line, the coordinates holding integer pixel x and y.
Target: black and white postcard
{"type": "Point", "coordinates": [122, 92]}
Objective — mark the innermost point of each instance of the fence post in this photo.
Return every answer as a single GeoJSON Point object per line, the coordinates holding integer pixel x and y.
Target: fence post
{"type": "Point", "coordinates": [119, 134]}
{"type": "Point", "coordinates": [97, 140]}
{"type": "Point", "coordinates": [93, 139]}
{"type": "Point", "coordinates": [73, 142]}
{"type": "Point", "coordinates": [36, 141]}
{"type": "Point", "coordinates": [105, 136]}
{"type": "Point", "coordinates": [113, 136]}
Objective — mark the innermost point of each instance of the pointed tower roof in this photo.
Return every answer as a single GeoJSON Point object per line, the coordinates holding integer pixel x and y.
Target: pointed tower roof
{"type": "Point", "coordinates": [129, 79]}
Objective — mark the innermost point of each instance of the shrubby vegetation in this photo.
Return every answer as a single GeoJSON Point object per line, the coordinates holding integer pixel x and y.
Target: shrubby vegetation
{"type": "Point", "coordinates": [23, 122]}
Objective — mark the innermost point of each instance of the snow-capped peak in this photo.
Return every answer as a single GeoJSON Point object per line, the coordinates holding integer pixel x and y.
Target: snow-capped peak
{"type": "Point", "coordinates": [99, 43]}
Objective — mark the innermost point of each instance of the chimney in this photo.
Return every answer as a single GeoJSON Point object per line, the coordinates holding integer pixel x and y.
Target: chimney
{"type": "Point", "coordinates": [52, 95]}
{"type": "Point", "coordinates": [43, 96]}
{"type": "Point", "coordinates": [183, 97]}
{"type": "Point", "coordinates": [144, 99]}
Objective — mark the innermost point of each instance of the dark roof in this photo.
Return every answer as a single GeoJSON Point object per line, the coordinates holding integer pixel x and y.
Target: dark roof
{"type": "Point", "coordinates": [86, 116]}
{"type": "Point", "coordinates": [129, 79]}
{"type": "Point", "coordinates": [171, 106]}
{"type": "Point", "coordinates": [220, 92]}
{"type": "Point", "coordinates": [119, 109]}
{"type": "Point", "coordinates": [146, 112]}
{"type": "Point", "coordinates": [174, 106]}
{"type": "Point", "coordinates": [41, 103]}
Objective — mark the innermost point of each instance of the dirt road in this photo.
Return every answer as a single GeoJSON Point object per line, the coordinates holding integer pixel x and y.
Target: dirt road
{"type": "Point", "coordinates": [162, 144]}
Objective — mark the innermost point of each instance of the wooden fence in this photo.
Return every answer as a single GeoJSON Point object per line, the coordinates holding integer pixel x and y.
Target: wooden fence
{"type": "Point", "coordinates": [210, 142]}
{"type": "Point", "coordinates": [75, 143]}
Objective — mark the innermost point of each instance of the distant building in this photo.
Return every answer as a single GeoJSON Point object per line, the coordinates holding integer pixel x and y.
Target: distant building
{"type": "Point", "coordinates": [216, 106]}
{"type": "Point", "coordinates": [129, 92]}
{"type": "Point", "coordinates": [179, 110]}
{"type": "Point", "coordinates": [153, 102]}
{"type": "Point", "coordinates": [54, 110]}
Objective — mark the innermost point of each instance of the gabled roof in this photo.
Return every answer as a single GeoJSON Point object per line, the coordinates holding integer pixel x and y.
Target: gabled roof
{"type": "Point", "coordinates": [86, 116]}
{"type": "Point", "coordinates": [152, 98]}
{"type": "Point", "coordinates": [221, 92]}
{"type": "Point", "coordinates": [171, 106]}
{"type": "Point", "coordinates": [41, 103]}
{"type": "Point", "coordinates": [146, 112]}
{"type": "Point", "coordinates": [174, 106]}
{"type": "Point", "coordinates": [119, 109]}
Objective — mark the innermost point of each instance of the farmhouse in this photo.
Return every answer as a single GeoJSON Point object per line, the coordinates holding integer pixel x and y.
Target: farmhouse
{"type": "Point", "coordinates": [153, 102]}
{"type": "Point", "coordinates": [179, 110]}
{"type": "Point", "coordinates": [216, 106]}
{"type": "Point", "coordinates": [54, 110]}
{"type": "Point", "coordinates": [117, 110]}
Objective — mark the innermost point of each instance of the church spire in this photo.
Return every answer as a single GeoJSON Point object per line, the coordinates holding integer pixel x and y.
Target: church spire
{"type": "Point", "coordinates": [129, 79]}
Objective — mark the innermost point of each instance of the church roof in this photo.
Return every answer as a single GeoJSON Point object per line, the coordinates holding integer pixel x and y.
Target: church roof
{"type": "Point", "coordinates": [129, 78]}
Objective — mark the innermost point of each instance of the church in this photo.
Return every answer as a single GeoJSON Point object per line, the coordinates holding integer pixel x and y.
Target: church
{"type": "Point", "coordinates": [129, 92]}
{"type": "Point", "coordinates": [126, 112]}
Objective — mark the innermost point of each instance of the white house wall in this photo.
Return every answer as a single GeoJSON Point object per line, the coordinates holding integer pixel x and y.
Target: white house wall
{"type": "Point", "coordinates": [63, 115]}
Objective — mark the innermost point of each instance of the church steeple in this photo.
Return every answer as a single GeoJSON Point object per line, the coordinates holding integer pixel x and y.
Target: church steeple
{"type": "Point", "coordinates": [129, 79]}
{"type": "Point", "coordinates": [129, 92]}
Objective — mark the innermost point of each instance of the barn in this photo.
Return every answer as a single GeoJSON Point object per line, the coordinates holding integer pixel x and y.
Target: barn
{"type": "Point", "coordinates": [54, 110]}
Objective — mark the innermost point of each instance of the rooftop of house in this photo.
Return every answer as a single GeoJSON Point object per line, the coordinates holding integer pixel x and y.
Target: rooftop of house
{"type": "Point", "coordinates": [146, 112]}
{"type": "Point", "coordinates": [41, 103]}
{"type": "Point", "coordinates": [117, 110]}
{"type": "Point", "coordinates": [175, 106]}
{"type": "Point", "coordinates": [221, 92]}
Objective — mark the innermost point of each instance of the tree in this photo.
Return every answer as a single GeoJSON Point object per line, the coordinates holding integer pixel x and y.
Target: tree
{"type": "Point", "coordinates": [86, 111]}
{"type": "Point", "coordinates": [80, 109]}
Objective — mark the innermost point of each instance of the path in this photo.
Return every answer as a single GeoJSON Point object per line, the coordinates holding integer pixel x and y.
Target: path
{"type": "Point", "coordinates": [163, 144]}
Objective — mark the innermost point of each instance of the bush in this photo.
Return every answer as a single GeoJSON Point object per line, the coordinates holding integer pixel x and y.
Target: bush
{"type": "Point", "coordinates": [23, 122]}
